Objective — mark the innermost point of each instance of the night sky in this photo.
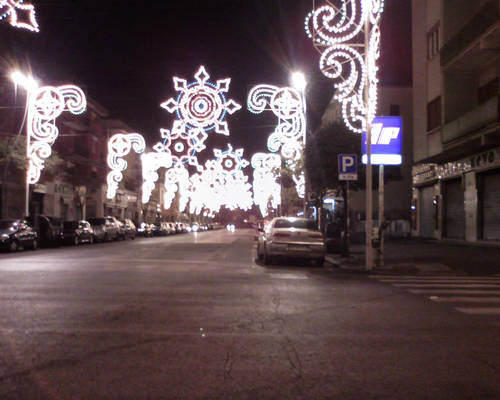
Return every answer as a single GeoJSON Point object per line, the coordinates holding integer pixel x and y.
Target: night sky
{"type": "Point", "coordinates": [125, 53]}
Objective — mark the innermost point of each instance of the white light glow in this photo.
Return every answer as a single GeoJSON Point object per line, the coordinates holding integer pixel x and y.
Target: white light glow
{"type": "Point", "coordinates": [202, 104]}
{"type": "Point", "coordinates": [119, 146]}
{"type": "Point", "coordinates": [335, 32]}
{"type": "Point", "coordinates": [266, 189]}
{"type": "Point", "coordinates": [299, 80]}
{"type": "Point", "coordinates": [151, 163]}
{"type": "Point", "coordinates": [20, 14]}
{"type": "Point", "coordinates": [45, 105]}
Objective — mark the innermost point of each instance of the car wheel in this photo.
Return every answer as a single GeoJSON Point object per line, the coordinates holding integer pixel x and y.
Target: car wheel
{"type": "Point", "coordinates": [259, 252]}
{"type": "Point", "coordinates": [34, 245]}
{"type": "Point", "coordinates": [320, 262]}
{"type": "Point", "coordinates": [105, 239]}
{"type": "Point", "coordinates": [265, 257]}
{"type": "Point", "coordinates": [13, 246]}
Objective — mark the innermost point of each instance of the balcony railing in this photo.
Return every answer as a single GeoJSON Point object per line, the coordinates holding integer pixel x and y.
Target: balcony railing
{"type": "Point", "coordinates": [484, 19]}
{"type": "Point", "coordinates": [482, 116]}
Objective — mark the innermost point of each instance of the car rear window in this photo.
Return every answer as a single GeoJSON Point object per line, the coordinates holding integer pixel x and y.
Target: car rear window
{"type": "Point", "coordinates": [296, 223]}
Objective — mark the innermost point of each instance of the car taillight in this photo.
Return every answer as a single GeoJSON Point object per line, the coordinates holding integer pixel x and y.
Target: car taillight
{"type": "Point", "coordinates": [281, 234]}
{"type": "Point", "coordinates": [315, 235]}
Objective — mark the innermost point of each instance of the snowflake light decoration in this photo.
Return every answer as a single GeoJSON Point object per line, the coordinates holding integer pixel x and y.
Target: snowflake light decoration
{"type": "Point", "coordinates": [231, 161]}
{"type": "Point", "coordinates": [181, 144]}
{"type": "Point", "coordinates": [119, 146]}
{"type": "Point", "coordinates": [335, 30]}
{"type": "Point", "coordinates": [176, 180]}
{"type": "Point", "coordinates": [202, 104]}
{"type": "Point", "coordinates": [287, 104]}
{"type": "Point", "coordinates": [20, 14]}
{"type": "Point", "coordinates": [266, 189]}
{"type": "Point", "coordinates": [45, 105]}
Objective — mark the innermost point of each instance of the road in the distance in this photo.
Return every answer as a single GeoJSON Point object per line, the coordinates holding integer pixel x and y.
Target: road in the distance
{"type": "Point", "coordinates": [194, 316]}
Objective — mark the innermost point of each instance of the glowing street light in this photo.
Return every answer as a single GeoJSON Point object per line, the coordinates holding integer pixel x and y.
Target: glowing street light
{"type": "Point", "coordinates": [299, 80]}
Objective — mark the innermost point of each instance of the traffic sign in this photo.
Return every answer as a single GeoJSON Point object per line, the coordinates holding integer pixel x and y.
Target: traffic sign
{"type": "Point", "coordinates": [387, 133]}
{"type": "Point", "coordinates": [348, 167]}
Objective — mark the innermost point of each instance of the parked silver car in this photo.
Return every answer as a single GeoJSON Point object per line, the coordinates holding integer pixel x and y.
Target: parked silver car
{"type": "Point", "coordinates": [291, 237]}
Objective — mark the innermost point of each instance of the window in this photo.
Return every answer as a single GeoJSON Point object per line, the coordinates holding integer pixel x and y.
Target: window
{"type": "Point", "coordinates": [488, 91]}
{"type": "Point", "coordinates": [394, 109]}
{"type": "Point", "coordinates": [434, 114]}
{"type": "Point", "coordinates": [433, 42]}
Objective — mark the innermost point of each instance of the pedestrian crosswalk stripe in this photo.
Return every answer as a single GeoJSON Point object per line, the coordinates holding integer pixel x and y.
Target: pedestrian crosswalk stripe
{"type": "Point", "coordinates": [465, 299]}
{"type": "Point", "coordinates": [448, 285]}
{"type": "Point", "coordinates": [455, 291]}
{"type": "Point", "coordinates": [479, 310]}
{"type": "Point", "coordinates": [481, 293]}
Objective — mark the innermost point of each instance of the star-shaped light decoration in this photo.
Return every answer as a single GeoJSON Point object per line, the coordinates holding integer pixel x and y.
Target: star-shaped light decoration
{"type": "Point", "coordinates": [202, 104]}
{"type": "Point", "coordinates": [20, 15]}
{"type": "Point", "coordinates": [231, 160]}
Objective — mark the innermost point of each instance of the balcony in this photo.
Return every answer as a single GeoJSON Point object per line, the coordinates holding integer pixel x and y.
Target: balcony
{"type": "Point", "coordinates": [480, 117]}
{"type": "Point", "coordinates": [476, 44]}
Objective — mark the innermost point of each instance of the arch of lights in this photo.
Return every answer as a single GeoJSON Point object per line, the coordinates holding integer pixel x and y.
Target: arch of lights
{"type": "Point", "coordinates": [221, 182]}
{"type": "Point", "coordinates": [12, 9]}
{"type": "Point", "coordinates": [119, 146]}
{"type": "Point", "coordinates": [266, 189]}
{"type": "Point", "coordinates": [287, 104]}
{"type": "Point", "coordinates": [335, 29]}
{"type": "Point", "coordinates": [45, 105]}
{"type": "Point", "coordinates": [151, 163]}
{"type": "Point", "coordinates": [202, 104]}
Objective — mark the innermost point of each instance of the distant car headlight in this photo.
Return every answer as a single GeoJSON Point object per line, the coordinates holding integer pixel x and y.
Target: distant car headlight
{"type": "Point", "coordinates": [195, 228]}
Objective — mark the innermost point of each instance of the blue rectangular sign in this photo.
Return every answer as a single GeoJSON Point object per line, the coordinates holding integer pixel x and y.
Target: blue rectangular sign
{"type": "Point", "coordinates": [387, 133]}
{"type": "Point", "coordinates": [348, 167]}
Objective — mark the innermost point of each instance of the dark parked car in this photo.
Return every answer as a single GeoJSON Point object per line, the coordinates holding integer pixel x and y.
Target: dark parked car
{"type": "Point", "coordinates": [99, 227]}
{"type": "Point", "coordinates": [48, 229]}
{"type": "Point", "coordinates": [17, 233]}
{"type": "Point", "coordinates": [128, 228]}
{"type": "Point", "coordinates": [145, 230]}
{"type": "Point", "coordinates": [76, 232]}
{"type": "Point", "coordinates": [161, 229]}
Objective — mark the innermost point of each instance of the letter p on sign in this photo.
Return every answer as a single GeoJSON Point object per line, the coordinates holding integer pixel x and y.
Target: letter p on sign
{"type": "Point", "coordinates": [348, 167]}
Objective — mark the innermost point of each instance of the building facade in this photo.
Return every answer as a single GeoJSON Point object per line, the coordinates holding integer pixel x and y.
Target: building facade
{"type": "Point", "coordinates": [456, 119]}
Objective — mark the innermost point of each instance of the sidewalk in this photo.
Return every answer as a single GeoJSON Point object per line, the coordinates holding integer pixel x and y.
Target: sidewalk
{"type": "Point", "coordinates": [415, 256]}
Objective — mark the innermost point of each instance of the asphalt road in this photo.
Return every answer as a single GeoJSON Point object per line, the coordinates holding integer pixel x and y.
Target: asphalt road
{"type": "Point", "coordinates": [195, 316]}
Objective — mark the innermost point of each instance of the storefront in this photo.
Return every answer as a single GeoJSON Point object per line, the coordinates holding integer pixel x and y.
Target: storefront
{"type": "Point", "coordinates": [458, 200]}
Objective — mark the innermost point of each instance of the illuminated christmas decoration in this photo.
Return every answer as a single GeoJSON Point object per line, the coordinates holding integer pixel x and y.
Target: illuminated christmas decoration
{"type": "Point", "coordinates": [176, 180]}
{"type": "Point", "coordinates": [45, 105]}
{"type": "Point", "coordinates": [345, 57]}
{"type": "Point", "coordinates": [119, 146]}
{"type": "Point", "coordinates": [266, 189]}
{"type": "Point", "coordinates": [286, 103]}
{"type": "Point", "coordinates": [151, 163]}
{"type": "Point", "coordinates": [202, 104]}
{"type": "Point", "coordinates": [13, 9]}
{"type": "Point", "coordinates": [182, 145]}
{"type": "Point", "coordinates": [231, 161]}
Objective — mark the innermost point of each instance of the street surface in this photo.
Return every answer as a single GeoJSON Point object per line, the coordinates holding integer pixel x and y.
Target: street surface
{"type": "Point", "coordinates": [195, 316]}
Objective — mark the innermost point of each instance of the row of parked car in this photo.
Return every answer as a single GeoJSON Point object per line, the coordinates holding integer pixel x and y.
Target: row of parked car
{"type": "Point", "coordinates": [29, 233]}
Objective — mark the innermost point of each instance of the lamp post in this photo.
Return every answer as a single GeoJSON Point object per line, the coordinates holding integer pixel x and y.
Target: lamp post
{"type": "Point", "coordinates": [299, 82]}
{"type": "Point", "coordinates": [30, 85]}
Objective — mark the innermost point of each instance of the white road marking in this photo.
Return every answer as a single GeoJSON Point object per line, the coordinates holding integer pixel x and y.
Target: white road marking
{"type": "Point", "coordinates": [288, 276]}
{"type": "Point", "coordinates": [465, 299]}
{"type": "Point", "coordinates": [455, 291]}
{"type": "Point", "coordinates": [447, 285]}
{"type": "Point", "coordinates": [479, 310]}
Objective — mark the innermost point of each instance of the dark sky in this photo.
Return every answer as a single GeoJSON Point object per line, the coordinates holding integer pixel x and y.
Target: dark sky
{"type": "Point", "coordinates": [126, 52]}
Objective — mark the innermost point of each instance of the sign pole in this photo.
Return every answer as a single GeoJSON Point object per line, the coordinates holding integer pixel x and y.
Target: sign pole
{"type": "Point", "coordinates": [348, 220]}
{"type": "Point", "coordinates": [381, 184]}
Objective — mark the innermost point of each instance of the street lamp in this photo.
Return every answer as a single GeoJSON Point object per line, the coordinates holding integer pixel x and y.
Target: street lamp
{"type": "Point", "coordinates": [299, 82]}
{"type": "Point", "coordinates": [30, 85]}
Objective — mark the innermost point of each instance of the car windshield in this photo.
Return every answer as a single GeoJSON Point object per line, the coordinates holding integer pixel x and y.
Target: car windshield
{"type": "Point", "coordinates": [6, 224]}
{"type": "Point", "coordinates": [96, 221]}
{"type": "Point", "coordinates": [71, 225]}
{"type": "Point", "coordinates": [296, 223]}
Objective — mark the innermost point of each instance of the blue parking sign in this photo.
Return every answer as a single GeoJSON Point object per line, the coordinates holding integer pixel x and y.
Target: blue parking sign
{"type": "Point", "coordinates": [387, 133]}
{"type": "Point", "coordinates": [348, 167]}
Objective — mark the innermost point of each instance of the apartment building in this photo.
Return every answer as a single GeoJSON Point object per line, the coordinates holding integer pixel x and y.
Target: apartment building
{"type": "Point", "coordinates": [456, 119]}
